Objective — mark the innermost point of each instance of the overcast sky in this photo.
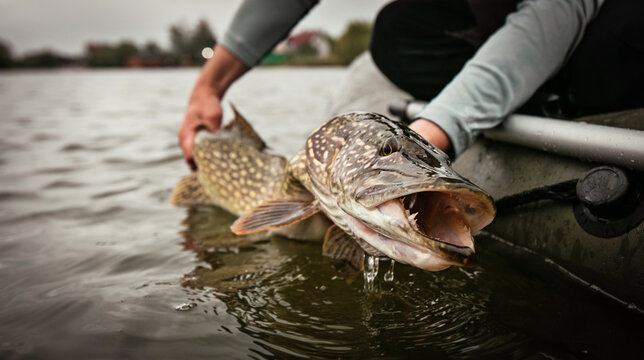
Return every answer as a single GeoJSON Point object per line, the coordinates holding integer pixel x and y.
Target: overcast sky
{"type": "Point", "coordinates": [66, 25]}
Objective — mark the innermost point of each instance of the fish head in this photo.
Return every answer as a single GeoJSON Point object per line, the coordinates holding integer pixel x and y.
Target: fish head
{"type": "Point", "coordinates": [396, 193]}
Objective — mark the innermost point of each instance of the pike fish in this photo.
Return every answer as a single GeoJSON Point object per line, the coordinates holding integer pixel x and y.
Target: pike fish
{"type": "Point", "coordinates": [362, 182]}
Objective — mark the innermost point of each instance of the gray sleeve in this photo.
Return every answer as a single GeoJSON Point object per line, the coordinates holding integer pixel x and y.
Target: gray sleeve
{"type": "Point", "coordinates": [531, 47]}
{"type": "Point", "coordinates": [260, 24]}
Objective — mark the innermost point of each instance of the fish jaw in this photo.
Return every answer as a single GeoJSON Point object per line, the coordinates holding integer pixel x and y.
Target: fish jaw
{"type": "Point", "coordinates": [433, 233]}
{"type": "Point", "coordinates": [401, 251]}
{"type": "Point", "coordinates": [362, 167]}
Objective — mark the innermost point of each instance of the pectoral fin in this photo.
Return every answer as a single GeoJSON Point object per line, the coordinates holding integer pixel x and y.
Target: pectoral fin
{"type": "Point", "coordinates": [339, 245]}
{"type": "Point", "coordinates": [189, 192]}
{"type": "Point", "coordinates": [274, 214]}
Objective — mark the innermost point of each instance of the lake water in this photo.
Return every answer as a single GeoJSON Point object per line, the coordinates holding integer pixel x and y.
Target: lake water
{"type": "Point", "coordinates": [95, 262]}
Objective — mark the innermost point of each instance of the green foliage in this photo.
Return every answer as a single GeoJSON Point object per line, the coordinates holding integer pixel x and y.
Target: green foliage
{"type": "Point", "coordinates": [202, 37]}
{"type": "Point", "coordinates": [179, 42]}
{"type": "Point", "coordinates": [187, 44]}
{"type": "Point", "coordinates": [186, 47]}
{"type": "Point", "coordinates": [40, 59]}
{"type": "Point", "coordinates": [353, 42]}
{"type": "Point", "coordinates": [152, 48]}
{"type": "Point", "coordinates": [43, 59]}
{"type": "Point", "coordinates": [5, 55]}
{"type": "Point", "coordinates": [111, 55]}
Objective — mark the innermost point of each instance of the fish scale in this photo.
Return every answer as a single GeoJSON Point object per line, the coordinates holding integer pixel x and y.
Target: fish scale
{"type": "Point", "coordinates": [243, 177]}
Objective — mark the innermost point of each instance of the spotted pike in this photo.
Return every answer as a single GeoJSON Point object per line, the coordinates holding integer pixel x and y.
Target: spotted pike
{"type": "Point", "coordinates": [385, 190]}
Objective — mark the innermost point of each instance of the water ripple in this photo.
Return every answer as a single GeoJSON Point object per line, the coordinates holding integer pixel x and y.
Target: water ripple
{"type": "Point", "coordinates": [67, 213]}
{"type": "Point", "coordinates": [93, 259]}
{"type": "Point", "coordinates": [63, 184]}
{"type": "Point", "coordinates": [114, 192]}
{"type": "Point", "coordinates": [136, 163]}
{"type": "Point", "coordinates": [56, 170]}
{"type": "Point", "coordinates": [17, 195]}
{"type": "Point", "coordinates": [82, 147]}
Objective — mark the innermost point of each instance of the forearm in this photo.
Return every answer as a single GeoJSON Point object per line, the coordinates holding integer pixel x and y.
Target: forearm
{"type": "Point", "coordinates": [204, 106]}
{"type": "Point", "coordinates": [432, 133]}
{"type": "Point", "coordinates": [259, 24]}
{"type": "Point", "coordinates": [535, 42]}
{"type": "Point", "coordinates": [256, 28]}
{"type": "Point", "coordinates": [220, 71]}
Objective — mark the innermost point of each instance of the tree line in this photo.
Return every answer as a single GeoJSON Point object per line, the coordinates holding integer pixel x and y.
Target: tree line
{"type": "Point", "coordinates": [186, 45]}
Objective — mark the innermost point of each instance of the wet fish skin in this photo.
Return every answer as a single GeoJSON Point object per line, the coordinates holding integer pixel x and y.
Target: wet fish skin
{"type": "Point", "coordinates": [237, 173]}
{"type": "Point", "coordinates": [356, 185]}
{"type": "Point", "coordinates": [358, 170]}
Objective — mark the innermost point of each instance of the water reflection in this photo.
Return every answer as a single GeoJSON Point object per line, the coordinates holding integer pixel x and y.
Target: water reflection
{"type": "Point", "coordinates": [90, 268]}
{"type": "Point", "coordinates": [295, 302]}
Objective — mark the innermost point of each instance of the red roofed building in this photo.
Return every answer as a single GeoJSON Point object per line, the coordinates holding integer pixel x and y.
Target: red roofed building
{"type": "Point", "coordinates": [305, 41]}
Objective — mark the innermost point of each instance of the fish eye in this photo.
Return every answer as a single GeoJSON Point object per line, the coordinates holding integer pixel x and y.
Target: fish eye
{"type": "Point", "coordinates": [390, 146]}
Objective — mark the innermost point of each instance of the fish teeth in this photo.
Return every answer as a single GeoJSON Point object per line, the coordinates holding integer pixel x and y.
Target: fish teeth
{"type": "Point", "coordinates": [412, 219]}
{"type": "Point", "coordinates": [412, 200]}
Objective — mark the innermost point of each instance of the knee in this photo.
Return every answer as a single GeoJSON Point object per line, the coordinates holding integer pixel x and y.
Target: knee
{"type": "Point", "coordinates": [387, 17]}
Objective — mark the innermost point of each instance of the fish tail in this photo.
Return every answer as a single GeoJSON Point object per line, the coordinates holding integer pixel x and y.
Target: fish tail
{"type": "Point", "coordinates": [189, 192]}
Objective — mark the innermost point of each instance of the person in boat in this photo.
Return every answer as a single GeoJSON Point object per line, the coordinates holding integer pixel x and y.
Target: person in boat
{"type": "Point", "coordinates": [476, 60]}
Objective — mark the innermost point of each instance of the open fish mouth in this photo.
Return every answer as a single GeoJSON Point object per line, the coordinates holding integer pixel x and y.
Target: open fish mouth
{"type": "Point", "coordinates": [433, 229]}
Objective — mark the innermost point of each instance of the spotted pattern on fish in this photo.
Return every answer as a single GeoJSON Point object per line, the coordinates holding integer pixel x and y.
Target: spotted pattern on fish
{"type": "Point", "coordinates": [366, 132]}
{"type": "Point", "coordinates": [236, 173]}
{"type": "Point", "coordinates": [236, 176]}
{"type": "Point", "coordinates": [358, 169]}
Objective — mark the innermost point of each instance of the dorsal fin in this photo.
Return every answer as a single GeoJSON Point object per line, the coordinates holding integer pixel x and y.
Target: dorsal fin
{"type": "Point", "coordinates": [240, 126]}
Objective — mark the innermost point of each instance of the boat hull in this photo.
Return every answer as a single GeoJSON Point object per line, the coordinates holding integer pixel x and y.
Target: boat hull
{"type": "Point", "coordinates": [613, 266]}
{"type": "Point", "coordinates": [549, 228]}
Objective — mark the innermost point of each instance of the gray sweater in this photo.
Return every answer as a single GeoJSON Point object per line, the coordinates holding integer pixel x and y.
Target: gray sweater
{"type": "Point", "coordinates": [531, 47]}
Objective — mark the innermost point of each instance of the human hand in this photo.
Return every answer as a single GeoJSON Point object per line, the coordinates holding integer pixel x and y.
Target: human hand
{"type": "Point", "coordinates": [432, 133]}
{"type": "Point", "coordinates": [204, 107]}
{"type": "Point", "coordinates": [203, 112]}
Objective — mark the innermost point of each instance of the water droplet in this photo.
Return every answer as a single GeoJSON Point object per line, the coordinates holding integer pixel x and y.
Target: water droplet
{"type": "Point", "coordinates": [370, 271]}
{"type": "Point", "coordinates": [389, 275]}
{"type": "Point", "coordinates": [185, 306]}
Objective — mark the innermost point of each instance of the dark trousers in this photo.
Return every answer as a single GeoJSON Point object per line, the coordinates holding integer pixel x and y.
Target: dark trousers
{"type": "Point", "coordinates": [421, 45]}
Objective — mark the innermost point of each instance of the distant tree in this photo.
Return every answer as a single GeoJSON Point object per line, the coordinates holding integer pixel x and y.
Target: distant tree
{"type": "Point", "coordinates": [187, 45]}
{"type": "Point", "coordinates": [111, 55]}
{"type": "Point", "coordinates": [202, 37]}
{"type": "Point", "coordinates": [179, 41]}
{"type": "Point", "coordinates": [124, 50]}
{"type": "Point", "coordinates": [101, 57]}
{"type": "Point", "coordinates": [353, 42]}
{"type": "Point", "coordinates": [43, 59]}
{"type": "Point", "coordinates": [5, 55]}
{"type": "Point", "coordinates": [152, 48]}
